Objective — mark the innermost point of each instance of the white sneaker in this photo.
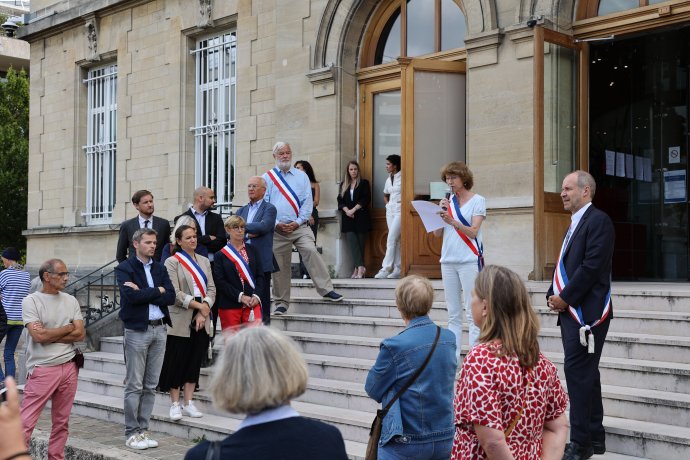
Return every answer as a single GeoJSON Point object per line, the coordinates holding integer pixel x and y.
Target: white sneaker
{"type": "Point", "coordinates": [394, 275]}
{"type": "Point", "coordinates": [381, 274]}
{"type": "Point", "coordinates": [150, 442]}
{"type": "Point", "coordinates": [190, 411]}
{"type": "Point", "coordinates": [175, 412]}
{"type": "Point", "coordinates": [137, 441]}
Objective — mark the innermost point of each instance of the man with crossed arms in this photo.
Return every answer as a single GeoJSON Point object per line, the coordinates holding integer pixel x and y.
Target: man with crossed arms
{"type": "Point", "coordinates": [581, 295]}
{"type": "Point", "coordinates": [289, 190]}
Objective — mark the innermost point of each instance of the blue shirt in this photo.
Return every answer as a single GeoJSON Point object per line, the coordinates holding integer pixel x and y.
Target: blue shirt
{"type": "Point", "coordinates": [252, 209]}
{"type": "Point", "coordinates": [14, 286]}
{"type": "Point", "coordinates": [154, 311]}
{"type": "Point", "coordinates": [299, 182]}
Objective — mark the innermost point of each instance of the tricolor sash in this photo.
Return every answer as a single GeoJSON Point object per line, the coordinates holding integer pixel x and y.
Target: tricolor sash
{"type": "Point", "coordinates": [285, 189]}
{"type": "Point", "coordinates": [193, 269]}
{"type": "Point", "coordinates": [560, 280]}
{"type": "Point", "coordinates": [242, 267]}
{"type": "Point", "coordinates": [476, 247]}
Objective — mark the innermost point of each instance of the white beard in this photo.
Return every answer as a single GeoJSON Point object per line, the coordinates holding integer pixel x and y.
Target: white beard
{"type": "Point", "coordinates": [283, 165]}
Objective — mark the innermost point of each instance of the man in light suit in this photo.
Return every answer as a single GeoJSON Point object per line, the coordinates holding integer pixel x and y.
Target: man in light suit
{"type": "Point", "coordinates": [260, 216]}
{"type": "Point", "coordinates": [142, 200]}
{"type": "Point", "coordinates": [581, 295]}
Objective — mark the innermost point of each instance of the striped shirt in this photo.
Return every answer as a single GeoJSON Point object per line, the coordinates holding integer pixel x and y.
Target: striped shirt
{"type": "Point", "coordinates": [14, 286]}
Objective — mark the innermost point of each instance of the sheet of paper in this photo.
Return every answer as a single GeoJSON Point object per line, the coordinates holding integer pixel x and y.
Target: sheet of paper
{"type": "Point", "coordinates": [647, 168]}
{"type": "Point", "coordinates": [639, 168]}
{"type": "Point", "coordinates": [428, 212]}
{"type": "Point", "coordinates": [629, 165]}
{"type": "Point", "coordinates": [674, 154]}
{"type": "Point", "coordinates": [620, 164]}
{"type": "Point", "coordinates": [610, 162]}
{"type": "Point", "coordinates": [674, 186]}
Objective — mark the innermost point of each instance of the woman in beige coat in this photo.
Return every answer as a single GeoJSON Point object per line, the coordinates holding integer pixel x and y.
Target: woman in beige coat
{"type": "Point", "coordinates": [188, 338]}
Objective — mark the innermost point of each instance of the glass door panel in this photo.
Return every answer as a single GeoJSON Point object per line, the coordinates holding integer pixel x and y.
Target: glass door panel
{"type": "Point", "coordinates": [639, 151]}
{"type": "Point", "coordinates": [439, 126]}
{"type": "Point", "coordinates": [385, 140]}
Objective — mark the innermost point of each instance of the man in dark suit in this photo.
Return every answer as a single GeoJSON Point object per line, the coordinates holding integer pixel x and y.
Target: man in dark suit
{"type": "Point", "coordinates": [142, 200]}
{"type": "Point", "coordinates": [210, 230]}
{"type": "Point", "coordinates": [581, 294]}
{"type": "Point", "coordinates": [260, 216]}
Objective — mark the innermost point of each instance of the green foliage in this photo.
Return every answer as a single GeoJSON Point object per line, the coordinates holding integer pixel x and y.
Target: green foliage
{"type": "Point", "coordinates": [14, 157]}
{"type": "Point", "coordinates": [3, 18]}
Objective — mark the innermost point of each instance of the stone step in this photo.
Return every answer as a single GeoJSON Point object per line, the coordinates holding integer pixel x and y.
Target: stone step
{"type": "Point", "coordinates": [618, 345]}
{"type": "Point", "coordinates": [376, 319]}
{"type": "Point", "coordinates": [667, 297]}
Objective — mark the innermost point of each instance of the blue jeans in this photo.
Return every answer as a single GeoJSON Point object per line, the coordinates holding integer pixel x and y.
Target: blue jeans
{"type": "Point", "coordinates": [14, 332]}
{"type": "Point", "coordinates": [144, 352]}
{"type": "Point", "coordinates": [400, 448]}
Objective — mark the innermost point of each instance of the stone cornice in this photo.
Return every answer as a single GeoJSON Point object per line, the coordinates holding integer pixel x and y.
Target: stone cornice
{"type": "Point", "coordinates": [482, 48]}
{"type": "Point", "coordinates": [323, 81]}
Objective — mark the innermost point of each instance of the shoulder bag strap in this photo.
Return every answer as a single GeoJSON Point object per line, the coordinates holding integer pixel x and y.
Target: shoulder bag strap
{"type": "Point", "coordinates": [412, 379]}
{"type": "Point", "coordinates": [511, 426]}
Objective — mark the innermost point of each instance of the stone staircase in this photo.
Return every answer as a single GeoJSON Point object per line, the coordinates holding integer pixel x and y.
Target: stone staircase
{"type": "Point", "coordinates": [645, 366]}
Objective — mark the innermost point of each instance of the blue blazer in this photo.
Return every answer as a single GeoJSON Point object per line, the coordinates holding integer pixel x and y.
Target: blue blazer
{"type": "Point", "coordinates": [588, 261]}
{"type": "Point", "coordinates": [263, 226]}
{"type": "Point", "coordinates": [134, 303]}
{"type": "Point", "coordinates": [424, 413]}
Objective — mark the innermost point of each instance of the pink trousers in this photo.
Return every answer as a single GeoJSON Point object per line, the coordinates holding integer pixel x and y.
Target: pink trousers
{"type": "Point", "coordinates": [59, 385]}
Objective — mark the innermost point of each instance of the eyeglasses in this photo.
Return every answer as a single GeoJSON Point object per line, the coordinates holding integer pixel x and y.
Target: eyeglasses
{"type": "Point", "coordinates": [61, 274]}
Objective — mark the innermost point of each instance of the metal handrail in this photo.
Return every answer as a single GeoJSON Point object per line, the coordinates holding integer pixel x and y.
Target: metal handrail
{"type": "Point", "coordinates": [102, 288]}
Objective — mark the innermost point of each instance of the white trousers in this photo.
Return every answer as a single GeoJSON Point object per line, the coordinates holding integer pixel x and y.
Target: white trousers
{"type": "Point", "coordinates": [457, 278]}
{"type": "Point", "coordinates": [391, 262]}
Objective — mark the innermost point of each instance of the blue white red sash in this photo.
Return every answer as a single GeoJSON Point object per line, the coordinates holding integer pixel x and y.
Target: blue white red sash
{"type": "Point", "coordinates": [242, 267]}
{"type": "Point", "coordinates": [560, 280]}
{"type": "Point", "coordinates": [285, 189]}
{"type": "Point", "coordinates": [476, 247]}
{"type": "Point", "coordinates": [193, 269]}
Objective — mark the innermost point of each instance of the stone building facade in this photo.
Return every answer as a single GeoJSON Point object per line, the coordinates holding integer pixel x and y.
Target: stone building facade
{"type": "Point", "coordinates": [302, 71]}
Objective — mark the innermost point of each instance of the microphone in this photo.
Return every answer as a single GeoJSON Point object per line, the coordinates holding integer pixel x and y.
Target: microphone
{"type": "Point", "coordinates": [447, 198]}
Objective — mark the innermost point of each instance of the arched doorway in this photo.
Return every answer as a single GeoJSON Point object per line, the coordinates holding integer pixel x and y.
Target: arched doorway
{"type": "Point", "coordinates": [411, 81]}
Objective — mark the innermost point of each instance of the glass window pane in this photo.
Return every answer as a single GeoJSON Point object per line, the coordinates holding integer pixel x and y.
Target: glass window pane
{"type": "Point", "coordinates": [386, 139]}
{"type": "Point", "coordinates": [439, 127]}
{"type": "Point", "coordinates": [453, 27]}
{"type": "Point", "coordinates": [560, 115]}
{"type": "Point", "coordinates": [614, 6]}
{"type": "Point", "coordinates": [388, 48]}
{"type": "Point", "coordinates": [420, 27]}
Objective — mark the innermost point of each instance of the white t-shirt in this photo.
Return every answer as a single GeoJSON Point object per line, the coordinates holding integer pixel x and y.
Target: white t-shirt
{"type": "Point", "coordinates": [53, 310]}
{"type": "Point", "coordinates": [455, 250]}
{"type": "Point", "coordinates": [393, 189]}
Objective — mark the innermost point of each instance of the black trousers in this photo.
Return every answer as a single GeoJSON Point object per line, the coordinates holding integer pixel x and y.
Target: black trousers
{"type": "Point", "coordinates": [584, 382]}
{"type": "Point", "coordinates": [265, 296]}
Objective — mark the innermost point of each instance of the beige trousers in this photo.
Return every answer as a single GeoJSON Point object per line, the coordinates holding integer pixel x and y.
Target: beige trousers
{"type": "Point", "coordinates": [303, 240]}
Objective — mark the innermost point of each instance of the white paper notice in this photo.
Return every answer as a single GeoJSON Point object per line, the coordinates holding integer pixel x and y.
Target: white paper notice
{"type": "Point", "coordinates": [428, 212]}
{"type": "Point", "coordinates": [610, 162]}
{"type": "Point", "coordinates": [620, 164]}
{"type": "Point", "coordinates": [629, 165]}
{"type": "Point", "coordinates": [639, 172]}
{"type": "Point", "coordinates": [674, 154]}
{"type": "Point", "coordinates": [674, 186]}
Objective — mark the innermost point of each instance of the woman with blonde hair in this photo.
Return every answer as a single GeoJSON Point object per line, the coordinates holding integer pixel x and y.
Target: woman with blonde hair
{"type": "Point", "coordinates": [418, 422]}
{"type": "Point", "coordinates": [259, 372]}
{"type": "Point", "coordinates": [509, 402]}
{"type": "Point", "coordinates": [239, 276]}
{"type": "Point", "coordinates": [353, 201]}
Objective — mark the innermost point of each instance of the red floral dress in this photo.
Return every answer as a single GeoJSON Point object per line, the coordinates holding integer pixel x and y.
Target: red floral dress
{"type": "Point", "coordinates": [491, 391]}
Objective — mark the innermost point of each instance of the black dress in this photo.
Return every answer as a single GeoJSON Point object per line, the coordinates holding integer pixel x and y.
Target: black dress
{"type": "Point", "coordinates": [361, 196]}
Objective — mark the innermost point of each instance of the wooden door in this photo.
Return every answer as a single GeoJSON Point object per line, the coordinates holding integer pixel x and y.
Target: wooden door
{"type": "Point", "coordinates": [380, 109]}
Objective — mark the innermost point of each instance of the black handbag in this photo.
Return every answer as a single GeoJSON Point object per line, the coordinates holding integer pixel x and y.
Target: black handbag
{"type": "Point", "coordinates": [375, 432]}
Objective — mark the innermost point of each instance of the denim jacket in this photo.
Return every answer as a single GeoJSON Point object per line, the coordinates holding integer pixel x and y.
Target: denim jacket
{"type": "Point", "coordinates": [424, 413]}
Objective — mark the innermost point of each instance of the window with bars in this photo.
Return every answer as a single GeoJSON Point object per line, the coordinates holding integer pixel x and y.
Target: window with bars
{"type": "Point", "coordinates": [215, 130]}
{"type": "Point", "coordinates": [101, 144]}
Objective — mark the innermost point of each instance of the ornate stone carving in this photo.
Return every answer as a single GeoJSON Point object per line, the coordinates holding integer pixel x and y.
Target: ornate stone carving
{"type": "Point", "coordinates": [205, 10]}
{"type": "Point", "coordinates": [91, 29]}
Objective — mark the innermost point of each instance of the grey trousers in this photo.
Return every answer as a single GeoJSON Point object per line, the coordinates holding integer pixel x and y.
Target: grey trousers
{"type": "Point", "coordinates": [303, 240]}
{"type": "Point", "coordinates": [144, 352]}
